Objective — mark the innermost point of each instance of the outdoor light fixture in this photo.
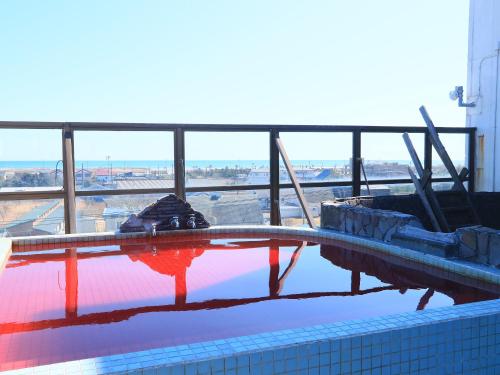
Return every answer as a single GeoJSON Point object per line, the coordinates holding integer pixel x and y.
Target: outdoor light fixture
{"type": "Point", "coordinates": [458, 93]}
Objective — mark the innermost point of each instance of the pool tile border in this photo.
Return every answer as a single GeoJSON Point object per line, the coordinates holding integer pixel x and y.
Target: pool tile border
{"type": "Point", "coordinates": [464, 335]}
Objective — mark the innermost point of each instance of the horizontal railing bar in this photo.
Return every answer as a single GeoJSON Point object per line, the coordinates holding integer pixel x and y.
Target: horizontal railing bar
{"type": "Point", "coordinates": [31, 125]}
{"type": "Point", "coordinates": [93, 193]}
{"type": "Point", "coordinates": [201, 189]}
{"type": "Point", "coordinates": [404, 181]}
{"type": "Point", "coordinates": [317, 184]}
{"type": "Point", "coordinates": [28, 195]}
{"type": "Point", "coordinates": [50, 194]}
{"type": "Point", "coordinates": [125, 126]}
{"type": "Point", "coordinates": [349, 182]}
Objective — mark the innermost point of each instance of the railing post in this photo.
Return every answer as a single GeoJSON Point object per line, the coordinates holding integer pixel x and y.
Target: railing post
{"type": "Point", "coordinates": [179, 163]}
{"type": "Point", "coordinates": [427, 152]}
{"type": "Point", "coordinates": [471, 166]}
{"type": "Point", "coordinates": [274, 165]}
{"type": "Point", "coordinates": [69, 180]}
{"type": "Point", "coordinates": [356, 163]}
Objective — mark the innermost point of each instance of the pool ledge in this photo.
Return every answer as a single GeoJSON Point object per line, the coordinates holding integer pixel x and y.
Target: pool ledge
{"type": "Point", "coordinates": [460, 267]}
{"type": "Point", "coordinates": [5, 251]}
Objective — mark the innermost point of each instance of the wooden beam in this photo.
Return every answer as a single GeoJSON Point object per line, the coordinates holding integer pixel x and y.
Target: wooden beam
{"type": "Point", "coordinates": [413, 154]}
{"type": "Point", "coordinates": [425, 202]}
{"type": "Point", "coordinates": [424, 188]}
{"type": "Point", "coordinates": [441, 151]}
{"type": "Point", "coordinates": [295, 182]}
{"type": "Point", "coordinates": [445, 158]}
{"type": "Point", "coordinates": [364, 176]}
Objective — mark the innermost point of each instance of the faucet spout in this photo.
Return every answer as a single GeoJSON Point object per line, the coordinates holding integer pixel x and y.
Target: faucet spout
{"type": "Point", "coordinates": [191, 222]}
{"type": "Point", "coordinates": [174, 222]}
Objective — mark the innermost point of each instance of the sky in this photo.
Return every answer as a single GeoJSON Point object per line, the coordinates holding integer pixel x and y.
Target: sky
{"type": "Point", "coordinates": [225, 61]}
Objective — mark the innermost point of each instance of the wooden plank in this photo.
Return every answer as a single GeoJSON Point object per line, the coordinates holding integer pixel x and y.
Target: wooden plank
{"type": "Point", "coordinates": [425, 201]}
{"type": "Point", "coordinates": [295, 182]}
{"type": "Point", "coordinates": [424, 189]}
{"type": "Point", "coordinates": [364, 176]}
{"type": "Point", "coordinates": [445, 158]}
{"type": "Point", "coordinates": [426, 179]}
{"type": "Point", "coordinates": [463, 174]}
{"type": "Point", "coordinates": [441, 151]}
{"type": "Point", "coordinates": [413, 154]}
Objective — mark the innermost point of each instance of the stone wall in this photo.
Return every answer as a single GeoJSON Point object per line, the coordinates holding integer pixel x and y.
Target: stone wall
{"type": "Point", "coordinates": [481, 244]}
{"type": "Point", "coordinates": [363, 221]}
{"type": "Point", "coordinates": [477, 243]}
{"type": "Point", "coordinates": [487, 205]}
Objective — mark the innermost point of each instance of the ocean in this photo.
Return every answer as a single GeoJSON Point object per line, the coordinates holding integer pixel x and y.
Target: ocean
{"type": "Point", "coordinates": [162, 164]}
{"type": "Point", "coordinates": [169, 164]}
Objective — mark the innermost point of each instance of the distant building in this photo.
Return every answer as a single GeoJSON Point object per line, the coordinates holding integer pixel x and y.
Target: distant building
{"type": "Point", "coordinates": [47, 218]}
{"type": "Point", "coordinates": [103, 175]}
{"type": "Point", "coordinates": [229, 208]}
{"type": "Point", "coordinates": [262, 176]}
{"type": "Point", "coordinates": [143, 183]}
{"type": "Point", "coordinates": [83, 176]}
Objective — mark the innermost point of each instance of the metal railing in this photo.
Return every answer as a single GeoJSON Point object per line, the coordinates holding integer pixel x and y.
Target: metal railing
{"type": "Point", "coordinates": [69, 192]}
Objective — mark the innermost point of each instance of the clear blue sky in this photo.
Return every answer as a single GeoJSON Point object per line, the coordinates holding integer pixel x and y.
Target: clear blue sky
{"type": "Point", "coordinates": [260, 61]}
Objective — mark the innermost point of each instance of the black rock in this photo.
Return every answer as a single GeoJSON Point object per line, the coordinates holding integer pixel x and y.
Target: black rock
{"type": "Point", "coordinates": [162, 214]}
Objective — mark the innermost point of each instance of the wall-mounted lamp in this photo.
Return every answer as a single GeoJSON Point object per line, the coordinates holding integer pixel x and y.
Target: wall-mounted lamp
{"type": "Point", "coordinates": [458, 93]}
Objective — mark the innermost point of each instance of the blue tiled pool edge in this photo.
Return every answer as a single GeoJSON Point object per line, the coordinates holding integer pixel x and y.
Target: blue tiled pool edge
{"type": "Point", "coordinates": [453, 340]}
{"type": "Point", "coordinates": [461, 339]}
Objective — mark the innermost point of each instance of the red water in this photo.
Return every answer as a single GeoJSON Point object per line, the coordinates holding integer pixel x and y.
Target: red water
{"type": "Point", "coordinates": [67, 304]}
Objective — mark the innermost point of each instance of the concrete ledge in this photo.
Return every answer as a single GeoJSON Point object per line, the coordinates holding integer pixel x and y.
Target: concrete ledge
{"type": "Point", "coordinates": [448, 267]}
{"type": "Point", "coordinates": [5, 251]}
{"type": "Point", "coordinates": [436, 243]}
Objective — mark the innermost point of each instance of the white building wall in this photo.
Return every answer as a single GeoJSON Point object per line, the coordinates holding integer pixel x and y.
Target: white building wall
{"type": "Point", "coordinates": [483, 89]}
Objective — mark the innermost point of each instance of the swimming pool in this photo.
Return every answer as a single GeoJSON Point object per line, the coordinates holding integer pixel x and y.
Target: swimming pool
{"type": "Point", "coordinates": [69, 303]}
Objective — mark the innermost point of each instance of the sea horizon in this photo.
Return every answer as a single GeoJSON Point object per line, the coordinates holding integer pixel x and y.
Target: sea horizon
{"type": "Point", "coordinates": [190, 164]}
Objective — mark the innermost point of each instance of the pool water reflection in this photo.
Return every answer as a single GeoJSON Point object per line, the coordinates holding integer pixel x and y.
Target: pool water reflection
{"type": "Point", "coordinates": [75, 303]}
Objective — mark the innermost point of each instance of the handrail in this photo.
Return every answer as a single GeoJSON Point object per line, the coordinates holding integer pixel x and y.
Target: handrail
{"type": "Point", "coordinates": [132, 126]}
{"type": "Point", "coordinates": [69, 194]}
